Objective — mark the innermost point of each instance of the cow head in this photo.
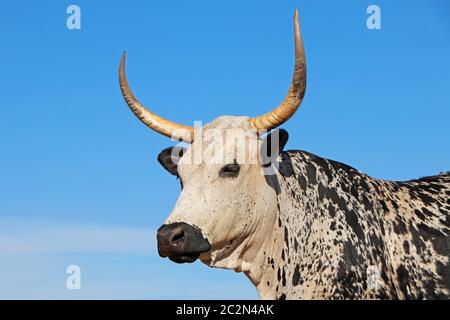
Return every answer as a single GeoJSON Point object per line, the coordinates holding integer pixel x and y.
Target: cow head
{"type": "Point", "coordinates": [228, 199]}
{"type": "Point", "coordinates": [225, 195]}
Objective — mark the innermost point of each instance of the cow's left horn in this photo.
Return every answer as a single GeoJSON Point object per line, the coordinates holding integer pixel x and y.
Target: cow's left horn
{"type": "Point", "coordinates": [296, 92]}
{"type": "Point", "coordinates": [166, 127]}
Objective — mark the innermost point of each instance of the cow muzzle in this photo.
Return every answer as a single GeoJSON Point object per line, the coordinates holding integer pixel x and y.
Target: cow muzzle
{"type": "Point", "coordinates": [181, 242]}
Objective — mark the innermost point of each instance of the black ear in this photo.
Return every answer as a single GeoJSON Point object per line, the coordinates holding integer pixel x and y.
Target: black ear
{"type": "Point", "coordinates": [169, 158]}
{"type": "Point", "coordinates": [272, 146]}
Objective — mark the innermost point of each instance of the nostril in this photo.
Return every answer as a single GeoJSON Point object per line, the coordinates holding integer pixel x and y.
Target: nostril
{"type": "Point", "coordinates": [178, 236]}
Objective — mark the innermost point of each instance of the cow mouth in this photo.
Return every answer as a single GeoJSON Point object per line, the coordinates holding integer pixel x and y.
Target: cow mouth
{"type": "Point", "coordinates": [184, 257]}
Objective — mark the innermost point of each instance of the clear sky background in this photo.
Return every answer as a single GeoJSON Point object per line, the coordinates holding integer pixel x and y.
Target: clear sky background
{"type": "Point", "coordinates": [79, 181]}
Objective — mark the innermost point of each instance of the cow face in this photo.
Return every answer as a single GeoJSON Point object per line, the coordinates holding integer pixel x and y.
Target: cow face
{"type": "Point", "coordinates": [226, 200]}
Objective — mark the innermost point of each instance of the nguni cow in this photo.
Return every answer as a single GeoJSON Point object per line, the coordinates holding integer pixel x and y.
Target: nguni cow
{"type": "Point", "coordinates": [299, 226]}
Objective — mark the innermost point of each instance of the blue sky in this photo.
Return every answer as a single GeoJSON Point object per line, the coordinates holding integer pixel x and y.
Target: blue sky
{"type": "Point", "coordinates": [79, 181]}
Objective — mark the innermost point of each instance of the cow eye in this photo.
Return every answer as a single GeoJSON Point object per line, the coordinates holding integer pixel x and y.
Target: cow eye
{"type": "Point", "coordinates": [230, 170]}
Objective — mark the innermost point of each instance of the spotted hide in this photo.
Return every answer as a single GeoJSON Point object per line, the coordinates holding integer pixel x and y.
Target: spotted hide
{"type": "Point", "coordinates": [346, 235]}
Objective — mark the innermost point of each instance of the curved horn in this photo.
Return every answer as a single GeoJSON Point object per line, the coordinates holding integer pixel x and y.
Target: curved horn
{"type": "Point", "coordinates": [295, 94]}
{"type": "Point", "coordinates": [166, 127]}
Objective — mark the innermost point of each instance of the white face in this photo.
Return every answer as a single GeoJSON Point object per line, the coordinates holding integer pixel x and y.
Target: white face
{"type": "Point", "coordinates": [225, 193]}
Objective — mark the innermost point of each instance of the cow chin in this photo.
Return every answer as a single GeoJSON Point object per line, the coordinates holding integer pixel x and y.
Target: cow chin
{"type": "Point", "coordinates": [184, 258]}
